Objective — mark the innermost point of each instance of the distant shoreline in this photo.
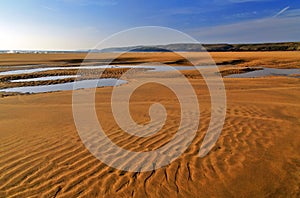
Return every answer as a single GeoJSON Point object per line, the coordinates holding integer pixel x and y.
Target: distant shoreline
{"type": "Point", "coordinates": [179, 47]}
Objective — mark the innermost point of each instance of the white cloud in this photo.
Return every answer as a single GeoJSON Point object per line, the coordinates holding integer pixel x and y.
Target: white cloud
{"type": "Point", "coordinates": [49, 8]}
{"type": "Point", "coordinates": [281, 11]}
{"type": "Point", "coordinates": [263, 30]}
{"type": "Point", "coordinates": [291, 13]}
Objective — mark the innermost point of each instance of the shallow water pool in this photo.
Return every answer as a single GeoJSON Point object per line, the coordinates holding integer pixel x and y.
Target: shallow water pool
{"type": "Point", "coordinates": [45, 78]}
{"type": "Point", "coordinates": [104, 82]}
{"type": "Point", "coordinates": [265, 72]}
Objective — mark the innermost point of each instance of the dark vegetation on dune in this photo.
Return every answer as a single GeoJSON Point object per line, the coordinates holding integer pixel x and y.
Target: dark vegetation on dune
{"type": "Point", "coordinates": [223, 47]}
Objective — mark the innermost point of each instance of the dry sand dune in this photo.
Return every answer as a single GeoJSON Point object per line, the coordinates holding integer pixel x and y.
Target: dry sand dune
{"type": "Point", "coordinates": [257, 154]}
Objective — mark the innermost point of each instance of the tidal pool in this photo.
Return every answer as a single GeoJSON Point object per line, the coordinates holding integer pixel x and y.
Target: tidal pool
{"type": "Point", "coordinates": [104, 82]}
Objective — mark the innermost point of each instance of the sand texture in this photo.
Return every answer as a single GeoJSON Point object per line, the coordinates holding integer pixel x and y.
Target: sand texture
{"type": "Point", "coordinates": [257, 154]}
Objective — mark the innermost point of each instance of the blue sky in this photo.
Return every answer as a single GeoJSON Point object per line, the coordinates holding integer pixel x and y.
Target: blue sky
{"type": "Point", "coordinates": [81, 24]}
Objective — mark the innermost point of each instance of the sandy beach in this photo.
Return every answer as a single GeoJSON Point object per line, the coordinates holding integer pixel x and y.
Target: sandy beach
{"type": "Point", "coordinates": [281, 59]}
{"type": "Point", "coordinates": [256, 155]}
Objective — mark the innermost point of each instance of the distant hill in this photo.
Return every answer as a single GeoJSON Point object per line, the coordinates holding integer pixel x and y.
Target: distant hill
{"type": "Point", "coordinates": [183, 47]}
{"type": "Point", "coordinates": [223, 47]}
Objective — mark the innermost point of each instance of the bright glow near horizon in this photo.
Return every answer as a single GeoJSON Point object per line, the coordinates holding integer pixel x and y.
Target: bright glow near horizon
{"type": "Point", "coordinates": [79, 24]}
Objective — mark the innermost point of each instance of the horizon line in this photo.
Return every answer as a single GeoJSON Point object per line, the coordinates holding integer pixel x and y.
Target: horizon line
{"type": "Point", "coordinates": [89, 49]}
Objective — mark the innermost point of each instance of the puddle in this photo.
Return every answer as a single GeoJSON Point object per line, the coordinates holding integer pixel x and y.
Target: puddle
{"type": "Point", "coordinates": [45, 78]}
{"type": "Point", "coordinates": [33, 70]}
{"type": "Point", "coordinates": [115, 82]}
{"type": "Point", "coordinates": [266, 72]}
{"type": "Point", "coordinates": [153, 68]}
{"type": "Point", "coordinates": [104, 82]}
{"type": "Point", "coordinates": [81, 84]}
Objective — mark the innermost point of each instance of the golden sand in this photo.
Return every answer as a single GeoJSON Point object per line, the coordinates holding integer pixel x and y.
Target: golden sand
{"type": "Point", "coordinates": [257, 154]}
{"type": "Point", "coordinates": [278, 59]}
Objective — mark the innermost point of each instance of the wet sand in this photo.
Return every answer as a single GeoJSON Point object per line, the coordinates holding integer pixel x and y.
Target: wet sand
{"type": "Point", "coordinates": [257, 154]}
